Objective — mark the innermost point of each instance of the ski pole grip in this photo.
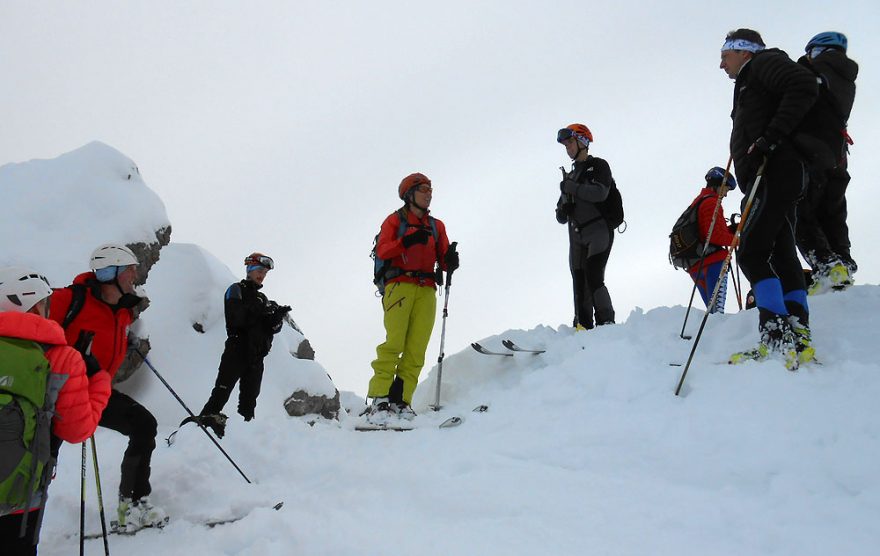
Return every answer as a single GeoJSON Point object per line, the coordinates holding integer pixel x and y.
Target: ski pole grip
{"type": "Point", "coordinates": [452, 249]}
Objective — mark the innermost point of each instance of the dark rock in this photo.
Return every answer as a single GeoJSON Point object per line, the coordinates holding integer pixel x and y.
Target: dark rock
{"type": "Point", "coordinates": [302, 403]}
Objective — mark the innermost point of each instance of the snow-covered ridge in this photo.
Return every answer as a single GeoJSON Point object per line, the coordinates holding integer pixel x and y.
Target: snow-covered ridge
{"type": "Point", "coordinates": [584, 449]}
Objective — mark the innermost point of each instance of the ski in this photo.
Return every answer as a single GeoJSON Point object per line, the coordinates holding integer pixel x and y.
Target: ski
{"type": "Point", "coordinates": [115, 529]}
{"type": "Point", "coordinates": [481, 408]}
{"type": "Point", "coordinates": [210, 524]}
{"type": "Point", "coordinates": [484, 351]}
{"type": "Point", "coordinates": [366, 427]}
{"type": "Point", "coordinates": [513, 347]}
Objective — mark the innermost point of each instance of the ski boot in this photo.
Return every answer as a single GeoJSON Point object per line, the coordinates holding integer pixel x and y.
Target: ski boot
{"type": "Point", "coordinates": [799, 321]}
{"type": "Point", "coordinates": [839, 277]}
{"type": "Point", "coordinates": [135, 515]}
{"type": "Point", "coordinates": [403, 410]}
{"type": "Point", "coordinates": [380, 412]}
{"type": "Point", "coordinates": [777, 337]}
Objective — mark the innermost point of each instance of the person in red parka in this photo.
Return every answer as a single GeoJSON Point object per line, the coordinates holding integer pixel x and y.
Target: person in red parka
{"type": "Point", "coordinates": [100, 303]}
{"type": "Point", "coordinates": [81, 395]}
{"type": "Point", "coordinates": [416, 244]}
{"type": "Point", "coordinates": [706, 273]}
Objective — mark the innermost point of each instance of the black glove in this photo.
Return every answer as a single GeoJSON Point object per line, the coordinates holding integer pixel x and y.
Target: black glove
{"type": "Point", "coordinates": [568, 186]}
{"type": "Point", "coordinates": [451, 260]}
{"type": "Point", "coordinates": [419, 236]}
{"type": "Point", "coordinates": [283, 310]}
{"type": "Point", "coordinates": [733, 223]}
{"type": "Point", "coordinates": [762, 148]}
{"type": "Point", "coordinates": [84, 346]}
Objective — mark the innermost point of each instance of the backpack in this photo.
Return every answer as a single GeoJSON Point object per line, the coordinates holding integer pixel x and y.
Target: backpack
{"type": "Point", "coordinates": [611, 208]}
{"type": "Point", "coordinates": [26, 407]}
{"type": "Point", "coordinates": [77, 301]}
{"type": "Point", "coordinates": [382, 269]}
{"type": "Point", "coordinates": [685, 242]}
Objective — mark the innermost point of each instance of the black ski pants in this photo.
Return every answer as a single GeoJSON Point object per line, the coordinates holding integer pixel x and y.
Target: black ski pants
{"type": "Point", "coordinates": [822, 233]}
{"type": "Point", "coordinates": [126, 416]}
{"type": "Point", "coordinates": [587, 265]}
{"type": "Point", "coordinates": [767, 246]}
{"type": "Point", "coordinates": [236, 363]}
{"type": "Point", "coordinates": [10, 528]}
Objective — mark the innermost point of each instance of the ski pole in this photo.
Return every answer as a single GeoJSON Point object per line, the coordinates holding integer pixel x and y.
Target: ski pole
{"type": "Point", "coordinates": [703, 252]}
{"type": "Point", "coordinates": [436, 406]}
{"type": "Point", "coordinates": [191, 414]}
{"type": "Point", "coordinates": [82, 503]}
{"type": "Point", "coordinates": [100, 495]}
{"type": "Point", "coordinates": [723, 273]}
{"type": "Point", "coordinates": [739, 302]}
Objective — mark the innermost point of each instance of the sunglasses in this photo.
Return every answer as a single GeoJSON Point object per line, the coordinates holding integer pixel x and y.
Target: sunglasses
{"type": "Point", "coordinates": [424, 188]}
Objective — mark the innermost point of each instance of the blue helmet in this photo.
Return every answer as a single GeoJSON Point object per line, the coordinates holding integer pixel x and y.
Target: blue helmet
{"type": "Point", "coordinates": [716, 174]}
{"type": "Point", "coordinates": [830, 39]}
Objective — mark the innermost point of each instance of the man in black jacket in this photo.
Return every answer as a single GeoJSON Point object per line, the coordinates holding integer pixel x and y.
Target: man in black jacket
{"type": "Point", "coordinates": [822, 233]}
{"type": "Point", "coordinates": [771, 96]}
{"type": "Point", "coordinates": [590, 235]}
{"type": "Point", "coordinates": [251, 322]}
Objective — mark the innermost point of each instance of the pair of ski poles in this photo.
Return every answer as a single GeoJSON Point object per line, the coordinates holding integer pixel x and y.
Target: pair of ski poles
{"type": "Point", "coordinates": [724, 268]}
{"type": "Point", "coordinates": [82, 500]}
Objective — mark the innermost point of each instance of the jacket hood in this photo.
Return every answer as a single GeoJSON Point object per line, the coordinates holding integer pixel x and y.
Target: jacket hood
{"type": "Point", "coordinates": [28, 326]}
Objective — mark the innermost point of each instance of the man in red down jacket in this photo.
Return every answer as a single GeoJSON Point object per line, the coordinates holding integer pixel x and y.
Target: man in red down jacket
{"type": "Point", "coordinates": [706, 275]}
{"type": "Point", "coordinates": [81, 395]}
{"type": "Point", "coordinates": [106, 299]}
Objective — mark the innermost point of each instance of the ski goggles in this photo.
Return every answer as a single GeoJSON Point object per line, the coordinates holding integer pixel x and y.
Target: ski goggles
{"type": "Point", "coordinates": [565, 134]}
{"type": "Point", "coordinates": [263, 261]}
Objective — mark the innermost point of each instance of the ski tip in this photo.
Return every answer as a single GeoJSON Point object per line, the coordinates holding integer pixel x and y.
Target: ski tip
{"type": "Point", "coordinates": [451, 422]}
{"type": "Point", "coordinates": [481, 408]}
{"type": "Point", "coordinates": [278, 506]}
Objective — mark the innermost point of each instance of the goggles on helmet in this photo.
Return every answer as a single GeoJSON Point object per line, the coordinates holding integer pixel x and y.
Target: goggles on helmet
{"type": "Point", "coordinates": [564, 134]}
{"type": "Point", "coordinates": [262, 260]}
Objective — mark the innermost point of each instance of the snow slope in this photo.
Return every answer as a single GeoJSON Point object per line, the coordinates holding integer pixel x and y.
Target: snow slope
{"type": "Point", "coordinates": [584, 449]}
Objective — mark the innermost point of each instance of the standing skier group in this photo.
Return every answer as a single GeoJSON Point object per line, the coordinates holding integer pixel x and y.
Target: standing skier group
{"type": "Point", "coordinates": [60, 350]}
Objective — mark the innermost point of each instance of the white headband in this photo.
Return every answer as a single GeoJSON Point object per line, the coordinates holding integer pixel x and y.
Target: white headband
{"type": "Point", "coordinates": [741, 44]}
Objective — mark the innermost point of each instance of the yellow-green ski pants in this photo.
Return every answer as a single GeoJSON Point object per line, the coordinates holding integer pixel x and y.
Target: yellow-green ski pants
{"type": "Point", "coordinates": [410, 311]}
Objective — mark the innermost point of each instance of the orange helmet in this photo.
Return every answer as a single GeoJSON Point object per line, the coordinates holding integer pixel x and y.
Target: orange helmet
{"type": "Point", "coordinates": [259, 259]}
{"type": "Point", "coordinates": [411, 181]}
{"type": "Point", "coordinates": [580, 131]}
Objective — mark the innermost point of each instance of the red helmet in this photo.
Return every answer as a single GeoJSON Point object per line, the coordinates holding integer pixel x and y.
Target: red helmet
{"type": "Point", "coordinates": [411, 181]}
{"type": "Point", "coordinates": [580, 131]}
{"type": "Point", "coordinates": [259, 259]}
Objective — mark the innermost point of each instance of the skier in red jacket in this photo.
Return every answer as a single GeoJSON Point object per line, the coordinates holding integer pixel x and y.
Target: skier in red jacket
{"type": "Point", "coordinates": [106, 297]}
{"type": "Point", "coordinates": [707, 273]}
{"type": "Point", "coordinates": [81, 394]}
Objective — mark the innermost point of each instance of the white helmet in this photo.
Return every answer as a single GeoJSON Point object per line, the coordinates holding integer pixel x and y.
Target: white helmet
{"type": "Point", "coordinates": [111, 254]}
{"type": "Point", "coordinates": [21, 288]}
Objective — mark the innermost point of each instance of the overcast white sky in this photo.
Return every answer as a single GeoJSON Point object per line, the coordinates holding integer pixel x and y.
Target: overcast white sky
{"type": "Point", "coordinates": [285, 127]}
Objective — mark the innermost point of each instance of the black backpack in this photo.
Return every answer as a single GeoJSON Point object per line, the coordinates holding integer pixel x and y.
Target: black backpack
{"type": "Point", "coordinates": [685, 242]}
{"type": "Point", "coordinates": [611, 208]}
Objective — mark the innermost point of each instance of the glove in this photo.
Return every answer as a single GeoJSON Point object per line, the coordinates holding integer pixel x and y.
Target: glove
{"type": "Point", "coordinates": [451, 260]}
{"type": "Point", "coordinates": [419, 236]}
{"type": "Point", "coordinates": [568, 186]}
{"type": "Point", "coordinates": [283, 310]}
{"type": "Point", "coordinates": [762, 148]}
{"type": "Point", "coordinates": [733, 223]}
{"type": "Point", "coordinates": [84, 346]}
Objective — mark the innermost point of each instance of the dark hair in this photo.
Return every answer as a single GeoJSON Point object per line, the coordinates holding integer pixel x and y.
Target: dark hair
{"type": "Point", "coordinates": [746, 34]}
